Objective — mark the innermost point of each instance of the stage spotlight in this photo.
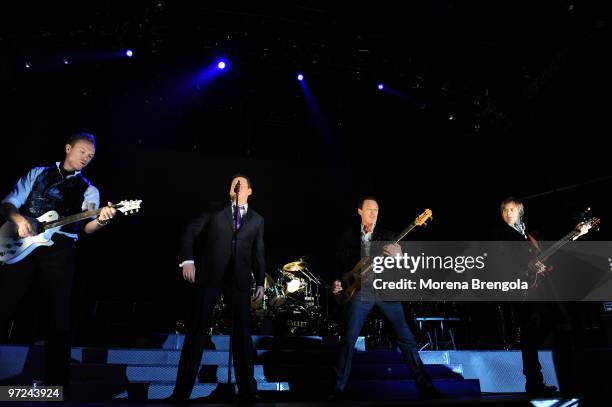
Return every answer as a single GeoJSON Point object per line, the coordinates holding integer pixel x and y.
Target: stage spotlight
{"type": "Point", "coordinates": [381, 86]}
{"type": "Point", "coordinates": [451, 116]}
{"type": "Point", "coordinates": [28, 65]}
{"type": "Point", "coordinates": [129, 53]}
{"type": "Point", "coordinates": [65, 61]}
{"type": "Point", "coordinates": [300, 77]}
{"type": "Point", "coordinates": [221, 65]}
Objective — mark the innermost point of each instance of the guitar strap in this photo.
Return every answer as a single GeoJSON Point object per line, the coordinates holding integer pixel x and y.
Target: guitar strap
{"type": "Point", "coordinates": [533, 241]}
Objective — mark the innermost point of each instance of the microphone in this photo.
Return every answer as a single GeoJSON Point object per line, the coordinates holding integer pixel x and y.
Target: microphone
{"type": "Point", "coordinates": [237, 187]}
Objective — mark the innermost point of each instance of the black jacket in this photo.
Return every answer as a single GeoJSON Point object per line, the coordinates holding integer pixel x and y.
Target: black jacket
{"type": "Point", "coordinates": [208, 241]}
{"type": "Point", "coordinates": [349, 249]}
{"type": "Point", "coordinates": [515, 251]}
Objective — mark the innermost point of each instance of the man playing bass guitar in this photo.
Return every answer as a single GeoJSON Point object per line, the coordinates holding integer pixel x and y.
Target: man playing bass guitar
{"type": "Point", "coordinates": [354, 245]}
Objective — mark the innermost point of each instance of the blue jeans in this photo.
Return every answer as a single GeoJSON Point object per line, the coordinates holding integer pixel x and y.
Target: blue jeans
{"type": "Point", "coordinates": [357, 313]}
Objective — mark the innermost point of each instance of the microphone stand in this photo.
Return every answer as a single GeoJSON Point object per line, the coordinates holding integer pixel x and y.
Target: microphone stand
{"type": "Point", "coordinates": [228, 390]}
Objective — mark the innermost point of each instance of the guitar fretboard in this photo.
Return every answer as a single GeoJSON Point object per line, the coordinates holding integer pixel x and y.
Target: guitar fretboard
{"type": "Point", "coordinates": [404, 232]}
{"type": "Point", "coordinates": [558, 245]}
{"type": "Point", "coordinates": [74, 218]}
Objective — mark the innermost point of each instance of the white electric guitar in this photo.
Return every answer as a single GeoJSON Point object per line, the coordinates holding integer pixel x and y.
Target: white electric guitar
{"type": "Point", "coordinates": [14, 249]}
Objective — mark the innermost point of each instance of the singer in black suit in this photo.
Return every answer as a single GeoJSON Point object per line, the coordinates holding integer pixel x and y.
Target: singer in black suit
{"type": "Point", "coordinates": [207, 246]}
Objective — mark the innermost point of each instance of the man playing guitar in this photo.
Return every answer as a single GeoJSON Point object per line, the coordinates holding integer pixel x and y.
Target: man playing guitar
{"type": "Point", "coordinates": [62, 188]}
{"type": "Point", "coordinates": [355, 244]}
{"type": "Point", "coordinates": [538, 319]}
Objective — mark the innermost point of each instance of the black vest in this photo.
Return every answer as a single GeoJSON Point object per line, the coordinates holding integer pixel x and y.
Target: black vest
{"type": "Point", "coordinates": [51, 191]}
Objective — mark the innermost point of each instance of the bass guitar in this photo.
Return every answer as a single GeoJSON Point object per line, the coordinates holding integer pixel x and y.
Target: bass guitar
{"type": "Point", "coordinates": [352, 279]}
{"type": "Point", "coordinates": [537, 266]}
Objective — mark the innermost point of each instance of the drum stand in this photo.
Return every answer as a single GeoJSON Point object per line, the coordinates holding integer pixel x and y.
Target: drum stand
{"type": "Point", "coordinates": [446, 338]}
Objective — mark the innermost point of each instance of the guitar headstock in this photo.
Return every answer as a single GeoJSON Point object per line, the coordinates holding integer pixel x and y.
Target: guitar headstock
{"type": "Point", "coordinates": [422, 218]}
{"type": "Point", "coordinates": [127, 207]}
{"type": "Point", "coordinates": [584, 227]}
{"type": "Point", "coordinates": [592, 222]}
{"type": "Point", "coordinates": [588, 221]}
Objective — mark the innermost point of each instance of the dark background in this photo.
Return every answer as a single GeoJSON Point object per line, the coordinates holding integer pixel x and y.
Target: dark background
{"type": "Point", "coordinates": [482, 100]}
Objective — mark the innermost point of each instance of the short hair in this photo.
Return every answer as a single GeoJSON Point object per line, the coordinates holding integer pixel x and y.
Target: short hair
{"type": "Point", "coordinates": [240, 175]}
{"type": "Point", "coordinates": [81, 136]}
{"type": "Point", "coordinates": [366, 198]}
{"type": "Point", "coordinates": [515, 201]}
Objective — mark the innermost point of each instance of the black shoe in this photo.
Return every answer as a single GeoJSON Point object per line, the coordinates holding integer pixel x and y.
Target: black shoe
{"type": "Point", "coordinates": [430, 393]}
{"type": "Point", "coordinates": [336, 395]}
{"type": "Point", "coordinates": [175, 400]}
{"type": "Point", "coordinates": [540, 390]}
{"type": "Point", "coordinates": [249, 398]}
{"type": "Point", "coordinates": [422, 380]}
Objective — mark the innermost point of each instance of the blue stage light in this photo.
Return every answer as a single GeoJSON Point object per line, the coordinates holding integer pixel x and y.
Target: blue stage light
{"type": "Point", "coordinates": [221, 65]}
{"type": "Point", "coordinates": [129, 53]}
{"type": "Point", "coordinates": [381, 86]}
{"type": "Point", "coordinates": [300, 77]}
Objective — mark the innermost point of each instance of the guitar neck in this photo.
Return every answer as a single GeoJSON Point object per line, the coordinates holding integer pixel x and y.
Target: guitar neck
{"type": "Point", "coordinates": [73, 218]}
{"type": "Point", "coordinates": [558, 245]}
{"type": "Point", "coordinates": [404, 232]}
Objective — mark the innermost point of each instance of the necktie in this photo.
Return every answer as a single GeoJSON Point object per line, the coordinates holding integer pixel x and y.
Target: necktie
{"type": "Point", "coordinates": [239, 215]}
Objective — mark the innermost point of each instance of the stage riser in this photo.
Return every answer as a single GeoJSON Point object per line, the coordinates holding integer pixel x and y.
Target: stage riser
{"type": "Point", "coordinates": [218, 374]}
{"type": "Point", "coordinates": [498, 371]}
{"type": "Point", "coordinates": [304, 390]}
{"type": "Point", "coordinates": [171, 358]}
{"type": "Point", "coordinates": [221, 342]}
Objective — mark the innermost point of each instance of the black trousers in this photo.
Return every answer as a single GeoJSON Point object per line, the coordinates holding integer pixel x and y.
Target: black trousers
{"type": "Point", "coordinates": [50, 270]}
{"type": "Point", "coordinates": [242, 345]}
{"type": "Point", "coordinates": [540, 321]}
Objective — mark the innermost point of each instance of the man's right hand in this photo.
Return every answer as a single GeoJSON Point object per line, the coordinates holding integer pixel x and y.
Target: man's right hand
{"type": "Point", "coordinates": [537, 267]}
{"type": "Point", "coordinates": [189, 272]}
{"type": "Point", "coordinates": [25, 228]}
{"type": "Point", "coordinates": [336, 287]}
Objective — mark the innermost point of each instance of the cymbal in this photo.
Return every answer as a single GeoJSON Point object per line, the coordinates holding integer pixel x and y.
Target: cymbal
{"type": "Point", "coordinates": [295, 266]}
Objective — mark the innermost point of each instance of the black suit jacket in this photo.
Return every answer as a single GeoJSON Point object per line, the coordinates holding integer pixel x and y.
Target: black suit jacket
{"type": "Point", "coordinates": [208, 241]}
{"type": "Point", "coordinates": [349, 248]}
{"type": "Point", "coordinates": [515, 251]}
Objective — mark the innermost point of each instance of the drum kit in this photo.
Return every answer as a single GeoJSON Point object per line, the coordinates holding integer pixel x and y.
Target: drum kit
{"type": "Point", "coordinates": [295, 285]}
{"type": "Point", "coordinates": [292, 303]}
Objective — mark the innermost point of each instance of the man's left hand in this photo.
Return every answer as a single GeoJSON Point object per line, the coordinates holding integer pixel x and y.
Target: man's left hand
{"type": "Point", "coordinates": [259, 293]}
{"type": "Point", "coordinates": [107, 213]}
{"type": "Point", "coordinates": [392, 250]}
{"type": "Point", "coordinates": [583, 228]}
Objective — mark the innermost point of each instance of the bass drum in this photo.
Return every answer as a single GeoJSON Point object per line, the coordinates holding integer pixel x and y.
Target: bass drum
{"type": "Point", "coordinates": [299, 321]}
